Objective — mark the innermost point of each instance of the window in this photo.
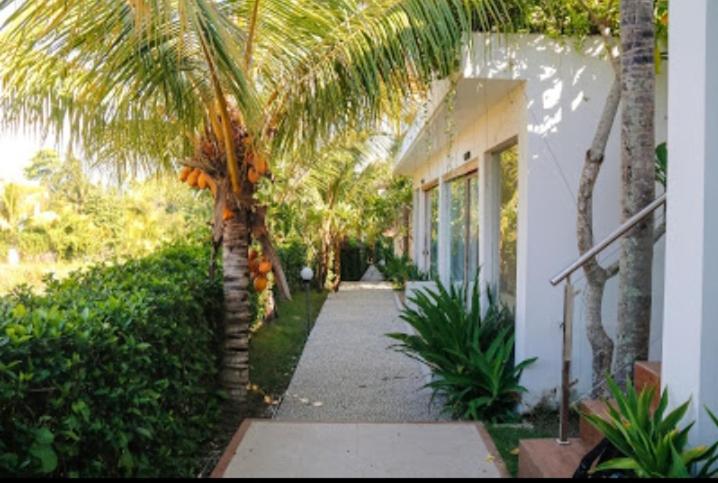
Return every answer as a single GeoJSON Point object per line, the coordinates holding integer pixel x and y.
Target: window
{"type": "Point", "coordinates": [464, 228]}
{"type": "Point", "coordinates": [508, 164]}
{"type": "Point", "coordinates": [432, 232]}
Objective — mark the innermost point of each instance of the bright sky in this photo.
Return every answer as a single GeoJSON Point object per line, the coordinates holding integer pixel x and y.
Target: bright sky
{"type": "Point", "coordinates": [16, 150]}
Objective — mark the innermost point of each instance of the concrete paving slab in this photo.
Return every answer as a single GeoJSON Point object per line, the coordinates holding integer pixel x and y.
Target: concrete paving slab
{"type": "Point", "coordinates": [266, 448]}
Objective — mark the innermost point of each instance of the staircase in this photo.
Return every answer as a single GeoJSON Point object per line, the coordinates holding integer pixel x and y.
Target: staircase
{"type": "Point", "coordinates": [546, 458]}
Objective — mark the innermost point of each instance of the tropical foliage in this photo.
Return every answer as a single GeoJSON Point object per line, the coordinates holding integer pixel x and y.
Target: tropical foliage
{"type": "Point", "coordinates": [345, 195]}
{"type": "Point", "coordinates": [69, 217]}
{"type": "Point", "coordinates": [226, 87]}
{"type": "Point", "coordinates": [651, 442]}
{"type": "Point", "coordinates": [470, 355]}
{"type": "Point", "coordinates": [113, 371]}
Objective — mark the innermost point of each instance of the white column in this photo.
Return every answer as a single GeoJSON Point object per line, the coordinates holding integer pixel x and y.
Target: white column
{"type": "Point", "coordinates": [416, 228]}
{"type": "Point", "coordinates": [690, 331]}
{"type": "Point", "coordinates": [489, 223]}
{"type": "Point", "coordinates": [444, 262]}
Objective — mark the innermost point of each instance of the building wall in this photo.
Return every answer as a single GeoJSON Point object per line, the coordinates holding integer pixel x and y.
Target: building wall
{"type": "Point", "coordinates": [552, 112]}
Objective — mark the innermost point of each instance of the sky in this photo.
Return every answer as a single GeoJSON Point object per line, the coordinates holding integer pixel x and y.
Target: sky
{"type": "Point", "coordinates": [16, 150]}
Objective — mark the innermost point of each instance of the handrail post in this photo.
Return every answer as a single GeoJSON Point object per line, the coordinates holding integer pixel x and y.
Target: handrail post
{"type": "Point", "coordinates": [568, 295]}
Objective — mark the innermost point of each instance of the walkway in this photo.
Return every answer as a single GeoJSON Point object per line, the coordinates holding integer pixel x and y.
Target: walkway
{"type": "Point", "coordinates": [347, 371]}
{"type": "Point", "coordinates": [356, 408]}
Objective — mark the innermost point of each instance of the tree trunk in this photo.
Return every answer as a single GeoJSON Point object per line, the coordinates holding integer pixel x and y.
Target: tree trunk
{"type": "Point", "coordinates": [596, 276]}
{"type": "Point", "coordinates": [638, 176]}
{"type": "Point", "coordinates": [326, 261]}
{"type": "Point", "coordinates": [235, 363]}
{"type": "Point", "coordinates": [337, 265]}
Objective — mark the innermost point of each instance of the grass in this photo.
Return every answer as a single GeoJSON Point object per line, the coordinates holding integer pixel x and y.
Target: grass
{"type": "Point", "coordinates": [32, 273]}
{"type": "Point", "coordinates": [541, 423]}
{"type": "Point", "coordinates": [276, 346]}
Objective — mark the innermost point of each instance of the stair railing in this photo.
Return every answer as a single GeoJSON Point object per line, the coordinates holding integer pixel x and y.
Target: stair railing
{"type": "Point", "coordinates": [568, 299]}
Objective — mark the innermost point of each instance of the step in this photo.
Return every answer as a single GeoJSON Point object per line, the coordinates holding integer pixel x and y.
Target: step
{"type": "Point", "coordinates": [545, 458]}
{"type": "Point", "coordinates": [648, 373]}
{"type": "Point", "coordinates": [267, 448]}
{"type": "Point", "coordinates": [588, 433]}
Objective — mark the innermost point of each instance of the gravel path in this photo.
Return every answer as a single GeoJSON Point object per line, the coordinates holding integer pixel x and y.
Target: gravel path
{"type": "Point", "coordinates": [348, 373]}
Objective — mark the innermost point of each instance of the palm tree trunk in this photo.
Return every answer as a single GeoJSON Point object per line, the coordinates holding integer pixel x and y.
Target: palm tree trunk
{"type": "Point", "coordinates": [235, 363]}
{"type": "Point", "coordinates": [638, 175]}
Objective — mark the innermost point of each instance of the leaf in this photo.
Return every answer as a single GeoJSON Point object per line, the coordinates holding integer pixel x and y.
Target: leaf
{"type": "Point", "coordinates": [46, 454]}
{"type": "Point", "coordinates": [43, 436]}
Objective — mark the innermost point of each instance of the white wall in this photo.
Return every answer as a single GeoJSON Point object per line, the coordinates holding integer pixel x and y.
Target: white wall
{"type": "Point", "coordinates": [690, 339]}
{"type": "Point", "coordinates": [553, 111]}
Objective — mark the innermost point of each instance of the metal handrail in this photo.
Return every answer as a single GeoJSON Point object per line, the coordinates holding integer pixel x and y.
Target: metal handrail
{"type": "Point", "coordinates": [603, 244]}
{"type": "Point", "coordinates": [568, 296]}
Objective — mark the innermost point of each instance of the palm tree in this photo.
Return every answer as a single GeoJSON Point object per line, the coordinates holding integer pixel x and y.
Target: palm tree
{"type": "Point", "coordinates": [638, 144]}
{"type": "Point", "coordinates": [148, 82]}
{"type": "Point", "coordinates": [16, 208]}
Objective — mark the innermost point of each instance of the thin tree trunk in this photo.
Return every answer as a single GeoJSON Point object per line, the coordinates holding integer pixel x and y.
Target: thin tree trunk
{"type": "Point", "coordinates": [235, 363]}
{"type": "Point", "coordinates": [337, 265]}
{"type": "Point", "coordinates": [638, 176]}
{"type": "Point", "coordinates": [279, 277]}
{"type": "Point", "coordinates": [261, 234]}
{"type": "Point", "coordinates": [596, 276]}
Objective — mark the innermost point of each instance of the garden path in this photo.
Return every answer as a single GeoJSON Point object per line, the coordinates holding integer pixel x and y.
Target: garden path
{"type": "Point", "coordinates": [347, 371]}
{"type": "Point", "coordinates": [356, 408]}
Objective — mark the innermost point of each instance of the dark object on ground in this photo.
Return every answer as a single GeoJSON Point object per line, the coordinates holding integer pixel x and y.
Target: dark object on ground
{"type": "Point", "coordinates": [602, 452]}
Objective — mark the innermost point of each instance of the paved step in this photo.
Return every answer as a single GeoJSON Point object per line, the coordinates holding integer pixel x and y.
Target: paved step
{"type": "Point", "coordinates": [648, 373]}
{"type": "Point", "coordinates": [588, 433]}
{"type": "Point", "coordinates": [283, 449]}
{"type": "Point", "coordinates": [545, 458]}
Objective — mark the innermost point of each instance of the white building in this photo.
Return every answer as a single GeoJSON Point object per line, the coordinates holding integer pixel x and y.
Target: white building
{"type": "Point", "coordinates": [508, 139]}
{"type": "Point", "coordinates": [690, 335]}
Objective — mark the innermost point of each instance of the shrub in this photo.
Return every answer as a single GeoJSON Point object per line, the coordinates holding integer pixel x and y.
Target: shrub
{"type": "Point", "coordinates": [354, 260]}
{"type": "Point", "coordinates": [112, 372]}
{"type": "Point", "coordinates": [652, 444]}
{"type": "Point", "coordinates": [399, 270]}
{"type": "Point", "coordinates": [471, 357]}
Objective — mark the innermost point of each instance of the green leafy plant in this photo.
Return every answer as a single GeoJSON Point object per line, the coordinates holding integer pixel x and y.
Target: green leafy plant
{"type": "Point", "coordinates": [471, 356]}
{"type": "Point", "coordinates": [650, 441]}
{"type": "Point", "coordinates": [661, 163]}
{"type": "Point", "coordinates": [112, 371]}
{"type": "Point", "coordinates": [400, 269]}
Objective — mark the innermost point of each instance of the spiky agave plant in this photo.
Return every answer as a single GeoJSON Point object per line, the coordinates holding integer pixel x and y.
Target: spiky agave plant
{"type": "Point", "coordinates": [470, 355]}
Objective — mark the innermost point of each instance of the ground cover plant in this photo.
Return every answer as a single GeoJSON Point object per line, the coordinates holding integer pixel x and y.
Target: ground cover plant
{"type": "Point", "coordinates": [470, 355]}
{"type": "Point", "coordinates": [113, 370]}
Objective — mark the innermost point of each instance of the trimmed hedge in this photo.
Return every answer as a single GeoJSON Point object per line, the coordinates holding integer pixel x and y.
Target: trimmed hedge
{"type": "Point", "coordinates": [354, 261]}
{"type": "Point", "coordinates": [113, 371]}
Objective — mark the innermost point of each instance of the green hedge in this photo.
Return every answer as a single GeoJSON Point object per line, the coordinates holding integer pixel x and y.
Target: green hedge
{"type": "Point", "coordinates": [112, 372]}
{"type": "Point", "coordinates": [354, 261]}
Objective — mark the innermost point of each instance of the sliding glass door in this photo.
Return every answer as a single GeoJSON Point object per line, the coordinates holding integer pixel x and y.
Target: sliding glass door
{"type": "Point", "coordinates": [508, 164]}
{"type": "Point", "coordinates": [431, 240]}
{"type": "Point", "coordinates": [464, 228]}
